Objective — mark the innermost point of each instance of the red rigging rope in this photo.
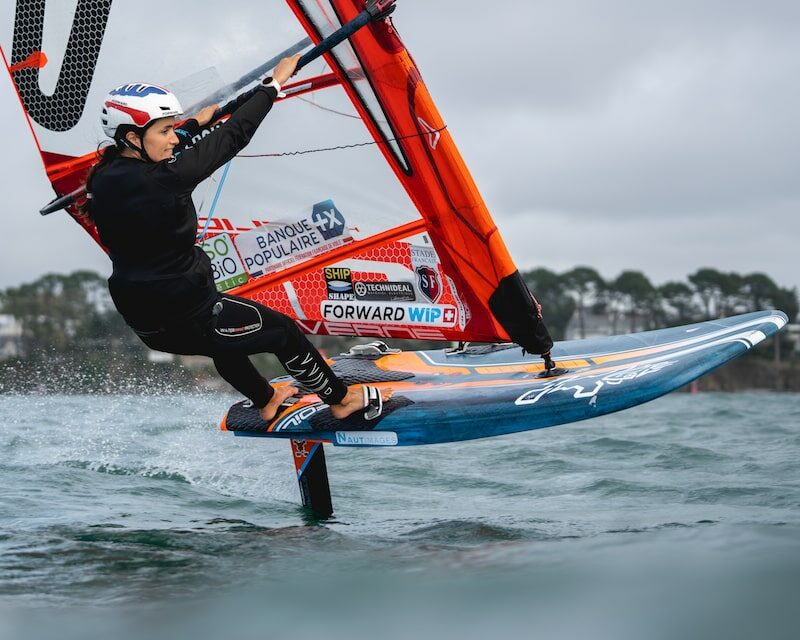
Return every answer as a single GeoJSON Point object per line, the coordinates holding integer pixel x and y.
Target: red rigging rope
{"type": "Point", "coordinates": [329, 110]}
{"type": "Point", "coordinates": [203, 233]}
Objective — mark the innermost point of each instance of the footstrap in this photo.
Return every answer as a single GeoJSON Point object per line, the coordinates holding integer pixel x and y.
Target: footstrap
{"type": "Point", "coordinates": [373, 402]}
{"type": "Point", "coordinates": [550, 368]}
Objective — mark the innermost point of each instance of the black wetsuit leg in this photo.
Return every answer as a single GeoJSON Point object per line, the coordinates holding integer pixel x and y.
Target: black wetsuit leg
{"type": "Point", "coordinates": [238, 328]}
{"type": "Point", "coordinates": [242, 327]}
{"type": "Point", "coordinates": [239, 372]}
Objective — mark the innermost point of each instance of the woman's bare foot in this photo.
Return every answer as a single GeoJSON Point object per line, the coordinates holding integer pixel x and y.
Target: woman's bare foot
{"type": "Point", "coordinates": [268, 411]}
{"type": "Point", "coordinates": [354, 401]}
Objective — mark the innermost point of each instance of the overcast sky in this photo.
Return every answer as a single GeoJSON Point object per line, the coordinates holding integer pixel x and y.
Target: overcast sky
{"type": "Point", "coordinates": [661, 137]}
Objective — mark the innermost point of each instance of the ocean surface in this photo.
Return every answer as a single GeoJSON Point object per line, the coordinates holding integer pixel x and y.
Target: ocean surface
{"type": "Point", "coordinates": [134, 516]}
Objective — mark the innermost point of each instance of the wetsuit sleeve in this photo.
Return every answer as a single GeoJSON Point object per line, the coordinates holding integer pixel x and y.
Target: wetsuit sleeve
{"type": "Point", "coordinates": [238, 101]}
{"type": "Point", "coordinates": [188, 130]}
{"type": "Point", "coordinates": [189, 168]}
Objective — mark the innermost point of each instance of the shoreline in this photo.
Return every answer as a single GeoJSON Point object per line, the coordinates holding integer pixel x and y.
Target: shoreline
{"type": "Point", "coordinates": [79, 376]}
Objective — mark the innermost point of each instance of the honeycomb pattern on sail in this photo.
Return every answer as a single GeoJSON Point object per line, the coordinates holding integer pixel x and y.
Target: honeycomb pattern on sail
{"type": "Point", "coordinates": [304, 293]}
{"type": "Point", "coordinates": [62, 110]}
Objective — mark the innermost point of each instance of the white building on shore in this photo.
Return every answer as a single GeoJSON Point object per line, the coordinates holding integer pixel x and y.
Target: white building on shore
{"type": "Point", "coordinates": [10, 337]}
{"type": "Point", "coordinates": [595, 325]}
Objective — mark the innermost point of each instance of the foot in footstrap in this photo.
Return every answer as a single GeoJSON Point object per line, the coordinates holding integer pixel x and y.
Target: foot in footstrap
{"type": "Point", "coordinates": [550, 368]}
{"type": "Point", "coordinates": [281, 399]}
{"type": "Point", "coordinates": [373, 403]}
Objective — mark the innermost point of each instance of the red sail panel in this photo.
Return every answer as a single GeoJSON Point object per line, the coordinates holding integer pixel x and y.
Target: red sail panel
{"type": "Point", "coordinates": [399, 112]}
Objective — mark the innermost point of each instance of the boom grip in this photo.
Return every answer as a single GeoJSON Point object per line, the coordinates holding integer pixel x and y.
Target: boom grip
{"type": "Point", "coordinates": [337, 37]}
{"type": "Point", "coordinates": [62, 202]}
{"type": "Point", "coordinates": [375, 10]}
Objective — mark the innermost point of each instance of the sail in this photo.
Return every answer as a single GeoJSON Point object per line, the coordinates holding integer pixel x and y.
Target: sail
{"type": "Point", "coordinates": [351, 211]}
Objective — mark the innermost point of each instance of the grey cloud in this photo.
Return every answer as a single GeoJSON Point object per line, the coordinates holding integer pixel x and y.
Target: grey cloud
{"type": "Point", "coordinates": [684, 109]}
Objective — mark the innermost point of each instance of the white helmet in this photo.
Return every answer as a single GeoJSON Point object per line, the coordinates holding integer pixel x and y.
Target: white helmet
{"type": "Point", "coordinates": [137, 105]}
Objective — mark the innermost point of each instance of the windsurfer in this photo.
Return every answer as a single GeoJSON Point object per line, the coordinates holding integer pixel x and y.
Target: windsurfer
{"type": "Point", "coordinates": [139, 197]}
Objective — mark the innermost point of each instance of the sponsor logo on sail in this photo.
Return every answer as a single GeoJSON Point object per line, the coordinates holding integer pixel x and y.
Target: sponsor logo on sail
{"type": "Point", "coordinates": [278, 244]}
{"type": "Point", "coordinates": [369, 329]}
{"type": "Point", "coordinates": [429, 283]}
{"type": "Point", "coordinates": [385, 291]}
{"type": "Point", "coordinates": [328, 219]}
{"type": "Point", "coordinates": [387, 312]}
{"type": "Point", "coordinates": [422, 256]}
{"type": "Point", "coordinates": [339, 282]}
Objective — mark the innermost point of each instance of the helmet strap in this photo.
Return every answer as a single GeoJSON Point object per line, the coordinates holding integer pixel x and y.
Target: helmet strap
{"type": "Point", "coordinates": [140, 150]}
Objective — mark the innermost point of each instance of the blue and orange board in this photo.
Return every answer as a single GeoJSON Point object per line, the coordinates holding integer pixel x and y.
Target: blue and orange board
{"type": "Point", "coordinates": [444, 396]}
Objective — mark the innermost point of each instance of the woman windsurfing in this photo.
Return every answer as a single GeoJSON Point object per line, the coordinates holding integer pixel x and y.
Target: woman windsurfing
{"type": "Point", "coordinates": [139, 197]}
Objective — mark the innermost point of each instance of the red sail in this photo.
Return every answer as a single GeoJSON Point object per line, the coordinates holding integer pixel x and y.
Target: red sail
{"type": "Point", "coordinates": [356, 258]}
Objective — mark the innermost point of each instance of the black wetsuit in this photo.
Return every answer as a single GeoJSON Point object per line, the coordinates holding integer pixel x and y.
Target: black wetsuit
{"type": "Point", "coordinates": [162, 283]}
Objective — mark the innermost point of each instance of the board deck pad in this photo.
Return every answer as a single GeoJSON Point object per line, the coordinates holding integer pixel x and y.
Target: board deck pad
{"type": "Point", "coordinates": [362, 370]}
{"type": "Point", "coordinates": [243, 417]}
{"type": "Point", "coordinates": [446, 396]}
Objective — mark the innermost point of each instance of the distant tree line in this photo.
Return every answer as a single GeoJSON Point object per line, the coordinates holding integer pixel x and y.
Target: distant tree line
{"type": "Point", "coordinates": [632, 302]}
{"type": "Point", "coordinates": [66, 313]}
{"type": "Point", "coordinates": [74, 340]}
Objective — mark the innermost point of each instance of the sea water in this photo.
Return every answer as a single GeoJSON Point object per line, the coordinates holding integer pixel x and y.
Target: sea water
{"type": "Point", "coordinates": [134, 516]}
